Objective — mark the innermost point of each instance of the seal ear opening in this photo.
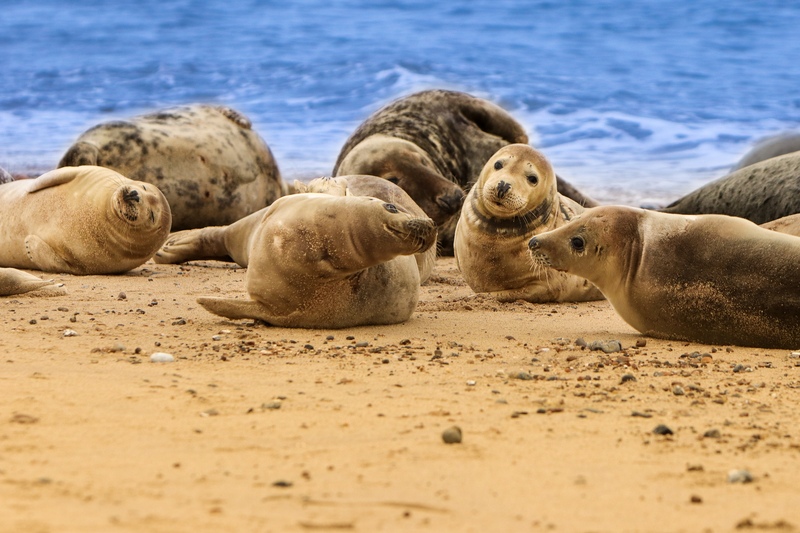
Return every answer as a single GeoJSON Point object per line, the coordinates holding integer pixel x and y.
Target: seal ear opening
{"type": "Point", "coordinates": [81, 153]}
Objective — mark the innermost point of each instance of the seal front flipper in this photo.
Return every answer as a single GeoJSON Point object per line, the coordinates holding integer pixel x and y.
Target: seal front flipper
{"type": "Point", "coordinates": [81, 153]}
{"type": "Point", "coordinates": [13, 281]}
{"type": "Point", "coordinates": [44, 257]}
{"type": "Point", "coordinates": [53, 178]}
{"type": "Point", "coordinates": [194, 245]}
{"type": "Point", "coordinates": [232, 308]}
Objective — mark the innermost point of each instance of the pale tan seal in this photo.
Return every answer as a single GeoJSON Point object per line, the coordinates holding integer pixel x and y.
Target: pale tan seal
{"type": "Point", "coordinates": [433, 144]}
{"type": "Point", "coordinates": [208, 161]}
{"type": "Point", "coordinates": [324, 261]}
{"type": "Point", "coordinates": [81, 220]}
{"type": "Point", "coordinates": [760, 192]}
{"type": "Point", "coordinates": [769, 147]}
{"type": "Point", "coordinates": [215, 242]}
{"type": "Point", "coordinates": [712, 279]}
{"type": "Point", "coordinates": [789, 225]}
{"type": "Point", "coordinates": [514, 199]}
{"type": "Point", "coordinates": [13, 281]}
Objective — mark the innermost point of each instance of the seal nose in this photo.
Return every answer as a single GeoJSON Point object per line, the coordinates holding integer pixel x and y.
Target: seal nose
{"type": "Point", "coordinates": [503, 188]}
{"type": "Point", "coordinates": [533, 244]}
{"type": "Point", "coordinates": [451, 203]}
{"type": "Point", "coordinates": [131, 195]}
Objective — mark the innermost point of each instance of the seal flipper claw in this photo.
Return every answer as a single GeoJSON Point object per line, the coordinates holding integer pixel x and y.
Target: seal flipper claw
{"type": "Point", "coordinates": [194, 245]}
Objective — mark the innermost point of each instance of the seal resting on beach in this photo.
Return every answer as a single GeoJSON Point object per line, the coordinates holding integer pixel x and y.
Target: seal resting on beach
{"type": "Point", "coordinates": [81, 220]}
{"type": "Point", "coordinates": [712, 279]}
{"type": "Point", "coordinates": [324, 261]}
{"type": "Point", "coordinates": [13, 281]}
{"type": "Point", "coordinates": [433, 144]}
{"type": "Point", "coordinates": [789, 225]}
{"type": "Point", "coordinates": [770, 147]}
{"type": "Point", "coordinates": [760, 192]}
{"type": "Point", "coordinates": [207, 160]}
{"type": "Point", "coordinates": [514, 199]}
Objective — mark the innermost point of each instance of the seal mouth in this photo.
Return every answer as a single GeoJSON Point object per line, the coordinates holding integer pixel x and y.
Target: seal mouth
{"type": "Point", "coordinates": [421, 232]}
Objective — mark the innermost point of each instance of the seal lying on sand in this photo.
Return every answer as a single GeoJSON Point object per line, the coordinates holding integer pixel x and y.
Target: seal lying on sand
{"type": "Point", "coordinates": [432, 144]}
{"type": "Point", "coordinates": [13, 281]}
{"type": "Point", "coordinates": [514, 199]}
{"type": "Point", "coordinates": [81, 220]}
{"type": "Point", "coordinates": [707, 278]}
{"type": "Point", "coordinates": [770, 147]}
{"type": "Point", "coordinates": [789, 225]}
{"type": "Point", "coordinates": [761, 192]}
{"type": "Point", "coordinates": [207, 160]}
{"type": "Point", "coordinates": [324, 261]}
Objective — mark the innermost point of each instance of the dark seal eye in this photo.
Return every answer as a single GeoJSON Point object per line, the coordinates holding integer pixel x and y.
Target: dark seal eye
{"type": "Point", "coordinates": [533, 179]}
{"type": "Point", "coordinates": [393, 179]}
{"type": "Point", "coordinates": [390, 207]}
{"type": "Point", "coordinates": [498, 165]}
{"type": "Point", "coordinates": [577, 243]}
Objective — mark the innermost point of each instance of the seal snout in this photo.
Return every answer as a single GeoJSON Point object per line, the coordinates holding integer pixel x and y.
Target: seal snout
{"type": "Point", "coordinates": [533, 244]}
{"type": "Point", "coordinates": [502, 189]}
{"type": "Point", "coordinates": [451, 203]}
{"type": "Point", "coordinates": [131, 195]}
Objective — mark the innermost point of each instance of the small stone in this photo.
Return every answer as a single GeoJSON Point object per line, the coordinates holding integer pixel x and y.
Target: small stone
{"type": "Point", "coordinates": [471, 382]}
{"type": "Point", "coordinates": [122, 296]}
{"type": "Point", "coordinates": [740, 476]}
{"type": "Point", "coordinates": [70, 333]}
{"type": "Point", "coordinates": [695, 499]}
{"type": "Point", "coordinates": [309, 347]}
{"type": "Point", "coordinates": [606, 346]}
{"type": "Point", "coordinates": [20, 418]}
{"type": "Point", "coordinates": [161, 357]}
{"type": "Point", "coordinates": [216, 338]}
{"type": "Point", "coordinates": [580, 342]}
{"type": "Point", "coordinates": [641, 414]}
{"type": "Point", "coordinates": [641, 343]}
{"type": "Point", "coordinates": [626, 378]}
{"type": "Point", "coordinates": [677, 390]}
{"type": "Point", "coordinates": [329, 338]}
{"type": "Point", "coordinates": [452, 435]}
{"type": "Point", "coordinates": [795, 355]}
{"type": "Point", "coordinates": [362, 344]}
{"type": "Point", "coordinates": [662, 429]}
{"type": "Point", "coordinates": [282, 484]}
{"type": "Point", "coordinates": [32, 321]}
{"type": "Point", "coordinates": [712, 434]}
{"type": "Point", "coordinates": [271, 405]}
{"type": "Point", "coordinates": [521, 375]}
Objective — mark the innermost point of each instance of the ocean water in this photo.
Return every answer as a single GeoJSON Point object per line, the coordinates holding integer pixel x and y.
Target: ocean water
{"type": "Point", "coordinates": [632, 101]}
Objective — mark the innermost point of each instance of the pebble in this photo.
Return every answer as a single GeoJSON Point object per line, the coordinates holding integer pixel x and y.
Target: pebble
{"type": "Point", "coordinates": [662, 429]}
{"type": "Point", "coordinates": [740, 476]}
{"type": "Point", "coordinates": [522, 375]}
{"type": "Point", "coordinates": [641, 343]}
{"type": "Point", "coordinates": [70, 333]}
{"type": "Point", "coordinates": [712, 434]}
{"type": "Point", "coordinates": [452, 435]}
{"type": "Point", "coordinates": [161, 357]}
{"type": "Point", "coordinates": [216, 338]}
{"type": "Point", "coordinates": [606, 346]}
{"type": "Point", "coordinates": [471, 383]}
{"type": "Point", "coordinates": [271, 405]}
{"type": "Point", "coordinates": [794, 355]}
{"type": "Point", "coordinates": [696, 499]}
{"type": "Point", "coordinates": [626, 378]}
{"type": "Point", "coordinates": [677, 390]}
{"type": "Point", "coordinates": [580, 342]}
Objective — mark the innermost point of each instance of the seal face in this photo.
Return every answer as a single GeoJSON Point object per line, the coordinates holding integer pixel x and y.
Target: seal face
{"type": "Point", "coordinates": [759, 192]}
{"type": "Point", "coordinates": [345, 261]}
{"type": "Point", "coordinates": [515, 198]}
{"type": "Point", "coordinates": [81, 220]}
{"type": "Point", "coordinates": [207, 160]}
{"type": "Point", "coordinates": [685, 277]}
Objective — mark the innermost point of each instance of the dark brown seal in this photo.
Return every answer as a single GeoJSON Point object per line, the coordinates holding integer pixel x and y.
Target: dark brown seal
{"type": "Point", "coordinates": [761, 192]}
{"type": "Point", "coordinates": [207, 160]}
{"type": "Point", "coordinates": [433, 144]}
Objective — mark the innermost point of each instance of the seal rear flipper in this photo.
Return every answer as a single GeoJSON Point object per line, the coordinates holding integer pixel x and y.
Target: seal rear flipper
{"type": "Point", "coordinates": [194, 245]}
{"type": "Point", "coordinates": [45, 258]}
{"type": "Point", "coordinates": [13, 281]}
{"type": "Point", "coordinates": [80, 153]}
{"type": "Point", "coordinates": [232, 308]}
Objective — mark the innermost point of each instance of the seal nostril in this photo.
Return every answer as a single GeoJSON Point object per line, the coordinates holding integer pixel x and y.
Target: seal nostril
{"type": "Point", "coordinates": [451, 203]}
{"type": "Point", "coordinates": [503, 188]}
{"type": "Point", "coordinates": [131, 195]}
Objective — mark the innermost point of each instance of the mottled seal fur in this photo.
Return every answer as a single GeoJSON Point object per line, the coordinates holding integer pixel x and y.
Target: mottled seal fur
{"type": "Point", "coordinates": [207, 160]}
{"type": "Point", "coordinates": [514, 199]}
{"type": "Point", "coordinates": [325, 261]}
{"type": "Point", "coordinates": [433, 144]}
{"type": "Point", "coordinates": [13, 281]}
{"type": "Point", "coordinates": [760, 192]}
{"type": "Point", "coordinates": [81, 220]}
{"type": "Point", "coordinates": [712, 279]}
{"type": "Point", "coordinates": [770, 147]}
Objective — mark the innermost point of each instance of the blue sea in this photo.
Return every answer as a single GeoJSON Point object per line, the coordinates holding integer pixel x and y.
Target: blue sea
{"type": "Point", "coordinates": [632, 101]}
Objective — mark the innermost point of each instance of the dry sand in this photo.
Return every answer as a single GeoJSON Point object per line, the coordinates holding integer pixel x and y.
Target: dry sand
{"type": "Point", "coordinates": [263, 429]}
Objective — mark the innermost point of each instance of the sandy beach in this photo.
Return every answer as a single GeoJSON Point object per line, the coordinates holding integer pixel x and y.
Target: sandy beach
{"type": "Point", "coordinates": [254, 428]}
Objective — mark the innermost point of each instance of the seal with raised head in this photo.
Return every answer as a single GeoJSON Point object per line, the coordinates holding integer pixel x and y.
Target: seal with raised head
{"type": "Point", "coordinates": [13, 281]}
{"type": "Point", "coordinates": [712, 279]}
{"type": "Point", "coordinates": [770, 147]}
{"type": "Point", "coordinates": [81, 220]}
{"type": "Point", "coordinates": [760, 192]}
{"type": "Point", "coordinates": [433, 144]}
{"type": "Point", "coordinates": [514, 199]}
{"type": "Point", "coordinates": [208, 161]}
{"type": "Point", "coordinates": [324, 261]}
{"type": "Point", "coordinates": [215, 242]}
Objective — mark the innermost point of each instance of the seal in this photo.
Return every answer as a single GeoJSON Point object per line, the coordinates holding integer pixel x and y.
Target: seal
{"type": "Point", "coordinates": [81, 220]}
{"type": "Point", "coordinates": [210, 242]}
{"type": "Point", "coordinates": [324, 261]}
{"type": "Point", "coordinates": [514, 199]}
{"type": "Point", "coordinates": [433, 144]}
{"type": "Point", "coordinates": [760, 192]}
{"type": "Point", "coordinates": [13, 281]}
{"type": "Point", "coordinates": [210, 164]}
{"type": "Point", "coordinates": [5, 177]}
{"type": "Point", "coordinates": [789, 225]}
{"type": "Point", "coordinates": [770, 147]}
{"type": "Point", "coordinates": [712, 279]}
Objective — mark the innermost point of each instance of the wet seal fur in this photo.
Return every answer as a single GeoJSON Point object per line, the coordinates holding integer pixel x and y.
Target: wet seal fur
{"type": "Point", "coordinates": [760, 192]}
{"type": "Point", "coordinates": [770, 147]}
{"type": "Point", "coordinates": [324, 261]}
{"type": "Point", "coordinates": [433, 144]}
{"type": "Point", "coordinates": [514, 199]}
{"type": "Point", "coordinates": [712, 279]}
{"type": "Point", "coordinates": [207, 160]}
{"type": "Point", "coordinates": [81, 220]}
